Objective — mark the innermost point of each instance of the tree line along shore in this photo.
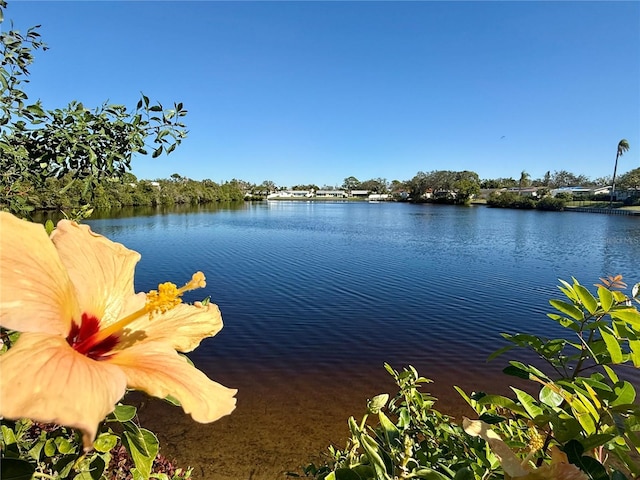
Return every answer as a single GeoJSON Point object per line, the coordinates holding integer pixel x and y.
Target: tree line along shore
{"type": "Point", "coordinates": [552, 192]}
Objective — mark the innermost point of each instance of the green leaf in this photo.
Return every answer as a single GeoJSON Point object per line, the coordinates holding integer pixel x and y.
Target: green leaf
{"type": "Point", "coordinates": [565, 322]}
{"type": "Point", "coordinates": [568, 309]}
{"type": "Point", "coordinates": [592, 467]}
{"type": "Point", "coordinates": [8, 436]}
{"type": "Point", "coordinates": [528, 402]}
{"type": "Point", "coordinates": [594, 441]}
{"type": "Point", "coordinates": [124, 413]}
{"type": "Point", "coordinates": [529, 368]}
{"type": "Point", "coordinates": [93, 471]}
{"type": "Point", "coordinates": [365, 471]}
{"type": "Point", "coordinates": [606, 298]}
{"type": "Point", "coordinates": [613, 346]}
{"type": "Point", "coordinates": [629, 315]}
{"type": "Point", "coordinates": [142, 446]}
{"type": "Point", "coordinates": [65, 446]}
{"type": "Point", "coordinates": [566, 428]}
{"type": "Point", "coordinates": [491, 418]}
{"type": "Point", "coordinates": [343, 474]}
{"type": "Point", "coordinates": [499, 352]}
{"type": "Point", "coordinates": [50, 448]}
{"type": "Point", "coordinates": [464, 474]}
{"type": "Point", "coordinates": [377, 403]}
{"type": "Point", "coordinates": [550, 398]}
{"type": "Point", "coordinates": [612, 375]}
{"type": "Point", "coordinates": [35, 109]}
{"type": "Point", "coordinates": [463, 394]}
{"type": "Point", "coordinates": [581, 412]}
{"type": "Point", "coordinates": [391, 432]}
{"type": "Point", "coordinates": [634, 345]}
{"type": "Point", "coordinates": [84, 475]}
{"type": "Point", "coordinates": [36, 450]}
{"type": "Point", "coordinates": [625, 394]}
{"type": "Point", "coordinates": [588, 403]}
{"type": "Point", "coordinates": [373, 452]}
{"type": "Point", "coordinates": [618, 475]}
{"type": "Point", "coordinates": [105, 442]}
{"type": "Point", "coordinates": [136, 474]}
{"type": "Point", "coordinates": [172, 400]}
{"type": "Point", "coordinates": [503, 402]}
{"type": "Point", "coordinates": [568, 290]}
{"type": "Point", "coordinates": [588, 300]}
{"type": "Point", "coordinates": [516, 372]}
{"type": "Point", "coordinates": [16, 469]}
{"type": "Point", "coordinates": [429, 474]}
{"type": "Point", "coordinates": [596, 384]}
{"type": "Point", "coordinates": [49, 226]}
{"type": "Point", "coordinates": [65, 465]}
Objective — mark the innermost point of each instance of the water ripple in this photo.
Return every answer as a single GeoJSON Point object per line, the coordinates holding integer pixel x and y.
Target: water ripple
{"type": "Point", "coordinates": [338, 288]}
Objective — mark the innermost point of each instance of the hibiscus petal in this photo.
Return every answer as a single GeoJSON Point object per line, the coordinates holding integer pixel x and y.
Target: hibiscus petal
{"type": "Point", "coordinates": [509, 461]}
{"type": "Point", "coordinates": [158, 370]}
{"type": "Point", "coordinates": [36, 294]}
{"type": "Point", "coordinates": [101, 270]}
{"type": "Point", "coordinates": [182, 327]}
{"type": "Point", "coordinates": [45, 380]}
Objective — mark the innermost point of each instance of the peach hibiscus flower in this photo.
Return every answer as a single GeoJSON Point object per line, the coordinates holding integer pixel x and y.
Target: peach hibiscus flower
{"type": "Point", "coordinates": [558, 469]}
{"type": "Point", "coordinates": [86, 336]}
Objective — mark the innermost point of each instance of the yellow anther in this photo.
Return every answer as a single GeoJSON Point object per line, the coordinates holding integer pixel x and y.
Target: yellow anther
{"type": "Point", "coordinates": [164, 299]}
{"type": "Point", "coordinates": [168, 295]}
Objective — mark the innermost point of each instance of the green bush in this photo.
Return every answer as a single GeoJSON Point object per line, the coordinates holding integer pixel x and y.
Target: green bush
{"type": "Point", "coordinates": [510, 200]}
{"type": "Point", "coordinates": [551, 203]}
{"type": "Point", "coordinates": [567, 196]}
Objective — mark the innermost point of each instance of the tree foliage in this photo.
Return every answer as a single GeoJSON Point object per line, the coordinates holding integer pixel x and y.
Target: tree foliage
{"type": "Point", "coordinates": [631, 179]}
{"type": "Point", "coordinates": [351, 183]}
{"type": "Point", "coordinates": [375, 185]}
{"type": "Point", "coordinates": [563, 178]}
{"type": "Point", "coordinates": [38, 143]}
{"type": "Point", "coordinates": [445, 185]}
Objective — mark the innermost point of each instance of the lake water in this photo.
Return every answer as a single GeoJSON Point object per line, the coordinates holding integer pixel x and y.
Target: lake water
{"type": "Point", "coordinates": [337, 289]}
{"type": "Point", "coordinates": [317, 296]}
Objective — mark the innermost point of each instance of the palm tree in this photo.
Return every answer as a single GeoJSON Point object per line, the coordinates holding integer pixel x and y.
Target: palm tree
{"type": "Point", "coordinates": [623, 146]}
{"type": "Point", "coordinates": [524, 180]}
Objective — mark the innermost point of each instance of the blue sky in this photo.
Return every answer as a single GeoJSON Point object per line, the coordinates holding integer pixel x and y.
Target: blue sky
{"type": "Point", "coordinates": [314, 92]}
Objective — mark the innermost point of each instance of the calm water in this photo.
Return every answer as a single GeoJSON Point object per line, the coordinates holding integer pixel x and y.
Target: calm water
{"type": "Point", "coordinates": [337, 289]}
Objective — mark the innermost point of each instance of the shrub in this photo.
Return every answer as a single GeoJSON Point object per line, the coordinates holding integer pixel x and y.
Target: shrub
{"type": "Point", "coordinates": [510, 200]}
{"type": "Point", "coordinates": [551, 203]}
{"type": "Point", "coordinates": [568, 196]}
{"type": "Point", "coordinates": [632, 202]}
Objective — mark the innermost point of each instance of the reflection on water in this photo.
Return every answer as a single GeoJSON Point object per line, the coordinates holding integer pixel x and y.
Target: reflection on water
{"type": "Point", "coordinates": [42, 216]}
{"type": "Point", "coordinates": [337, 289]}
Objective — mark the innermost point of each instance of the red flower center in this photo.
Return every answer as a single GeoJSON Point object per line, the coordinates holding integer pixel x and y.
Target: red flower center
{"type": "Point", "coordinates": [80, 339]}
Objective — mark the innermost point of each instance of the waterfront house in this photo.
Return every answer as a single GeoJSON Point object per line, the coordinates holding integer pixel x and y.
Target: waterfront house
{"type": "Point", "coordinates": [290, 194]}
{"type": "Point", "coordinates": [360, 193]}
{"type": "Point", "coordinates": [331, 193]}
{"type": "Point", "coordinates": [577, 191]}
{"type": "Point", "coordinates": [525, 191]}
